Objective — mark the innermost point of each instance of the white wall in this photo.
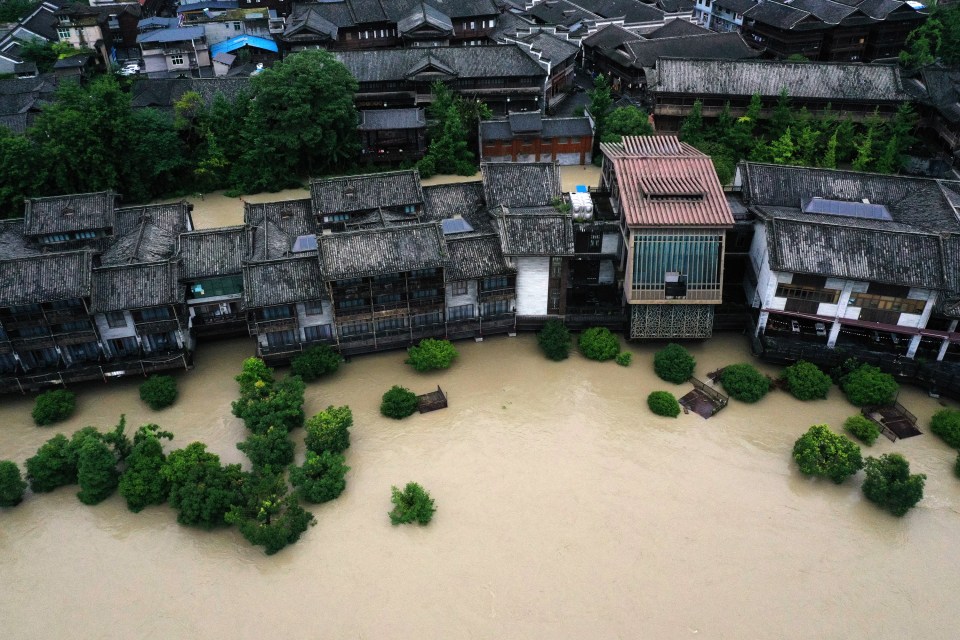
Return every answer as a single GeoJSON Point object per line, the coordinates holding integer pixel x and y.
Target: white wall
{"type": "Point", "coordinates": [470, 297]}
{"type": "Point", "coordinates": [533, 276]}
{"type": "Point", "coordinates": [109, 333]}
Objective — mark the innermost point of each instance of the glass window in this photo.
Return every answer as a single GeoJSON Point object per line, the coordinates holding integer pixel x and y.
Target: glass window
{"type": "Point", "coordinates": [387, 298]}
{"type": "Point", "coordinates": [275, 313]}
{"type": "Point", "coordinates": [155, 313]}
{"type": "Point", "coordinates": [497, 282]}
{"type": "Point", "coordinates": [281, 338]}
{"type": "Point", "coordinates": [351, 303]}
{"type": "Point", "coordinates": [423, 319]}
{"type": "Point", "coordinates": [809, 293]}
{"type": "Point", "coordinates": [354, 328]}
{"type": "Point", "coordinates": [318, 332]}
{"type": "Point", "coordinates": [462, 312]}
{"type": "Point", "coordinates": [176, 60]}
{"type": "Point", "coordinates": [459, 288]}
{"type": "Point", "coordinates": [313, 307]}
{"type": "Point", "coordinates": [124, 346]}
{"type": "Point", "coordinates": [391, 324]}
{"type": "Point", "coordinates": [425, 293]}
{"type": "Point", "coordinates": [495, 308]}
{"type": "Point", "coordinates": [116, 319]}
{"type": "Point", "coordinates": [63, 33]}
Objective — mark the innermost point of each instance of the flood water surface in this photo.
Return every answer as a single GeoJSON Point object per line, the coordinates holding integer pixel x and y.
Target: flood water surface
{"type": "Point", "coordinates": [565, 510]}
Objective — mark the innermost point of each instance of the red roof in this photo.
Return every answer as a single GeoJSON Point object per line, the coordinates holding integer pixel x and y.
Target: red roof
{"type": "Point", "coordinates": [665, 182]}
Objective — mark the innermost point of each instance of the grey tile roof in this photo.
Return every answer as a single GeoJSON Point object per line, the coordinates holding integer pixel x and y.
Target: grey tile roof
{"type": "Point", "coordinates": [363, 193]}
{"type": "Point", "coordinates": [307, 20]}
{"type": "Point", "coordinates": [951, 258]}
{"type": "Point", "coordinates": [356, 254]}
{"type": "Point", "coordinates": [173, 216]}
{"type": "Point", "coordinates": [16, 123]}
{"type": "Point", "coordinates": [549, 128]}
{"type": "Point", "coordinates": [718, 46]}
{"type": "Point", "coordinates": [136, 286]}
{"type": "Point", "coordinates": [879, 9]}
{"type": "Point", "coordinates": [561, 12]}
{"type": "Point", "coordinates": [285, 281]}
{"type": "Point", "coordinates": [676, 6]}
{"type": "Point", "coordinates": [820, 80]}
{"type": "Point", "coordinates": [939, 87]}
{"type": "Point", "coordinates": [176, 34]}
{"type": "Point", "coordinates": [274, 227]}
{"type": "Point", "coordinates": [475, 256]}
{"type": "Point", "coordinates": [630, 10]}
{"type": "Point", "coordinates": [212, 252]}
{"type": "Point", "coordinates": [424, 14]}
{"type": "Point", "coordinates": [610, 37]}
{"type": "Point", "coordinates": [147, 243]}
{"type": "Point", "coordinates": [556, 49]}
{"type": "Point", "coordinates": [381, 119]}
{"type": "Point", "coordinates": [64, 214]}
{"type": "Point", "coordinates": [45, 278]}
{"type": "Point", "coordinates": [737, 6]}
{"type": "Point", "coordinates": [13, 244]}
{"type": "Point", "coordinates": [520, 184]}
{"type": "Point", "coordinates": [778, 15]}
{"type": "Point", "coordinates": [385, 65]}
{"type": "Point", "coordinates": [164, 92]}
{"type": "Point", "coordinates": [920, 203]}
{"type": "Point", "coordinates": [464, 199]}
{"type": "Point", "coordinates": [543, 232]}
{"type": "Point", "coordinates": [677, 28]}
{"type": "Point", "coordinates": [824, 10]}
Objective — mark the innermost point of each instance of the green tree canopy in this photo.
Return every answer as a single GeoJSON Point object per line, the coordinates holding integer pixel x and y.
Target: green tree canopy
{"type": "Point", "coordinates": [625, 121]}
{"type": "Point", "coordinates": [321, 478]}
{"type": "Point", "coordinates": [12, 485]}
{"type": "Point", "coordinates": [890, 484]}
{"type": "Point", "coordinates": [329, 430]}
{"type": "Point", "coordinates": [201, 490]}
{"type": "Point", "coordinates": [142, 482]}
{"type": "Point", "coordinates": [96, 471]}
{"type": "Point", "coordinates": [266, 516]}
{"type": "Point", "coordinates": [821, 452]}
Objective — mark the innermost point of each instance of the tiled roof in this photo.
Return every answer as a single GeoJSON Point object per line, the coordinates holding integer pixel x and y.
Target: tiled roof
{"type": "Point", "coordinates": [548, 128]}
{"type": "Point", "coordinates": [285, 281]}
{"type": "Point", "coordinates": [611, 36]}
{"type": "Point", "coordinates": [136, 286]}
{"type": "Point", "coordinates": [677, 28]}
{"type": "Point", "coordinates": [385, 65]}
{"type": "Point", "coordinates": [380, 119]}
{"type": "Point", "coordinates": [940, 88]}
{"type": "Point", "coordinates": [65, 214]}
{"type": "Point", "coordinates": [951, 258]}
{"type": "Point", "coordinates": [212, 252]}
{"type": "Point", "coordinates": [424, 14]}
{"type": "Point", "coordinates": [174, 216]}
{"type": "Point", "coordinates": [356, 254]}
{"type": "Point", "coordinates": [561, 12]}
{"type": "Point", "coordinates": [554, 48]}
{"type": "Point", "coordinates": [823, 80]}
{"type": "Point", "coordinates": [164, 92]}
{"type": "Point", "coordinates": [274, 226]}
{"type": "Point", "coordinates": [45, 278]}
{"type": "Point", "coordinates": [719, 46]}
{"type": "Point", "coordinates": [464, 199]}
{"type": "Point", "coordinates": [176, 34]}
{"type": "Point", "coordinates": [474, 256]}
{"type": "Point", "coordinates": [361, 193]}
{"type": "Point", "coordinates": [824, 10]}
{"type": "Point", "coordinates": [310, 22]}
{"type": "Point", "coordinates": [630, 10]}
{"type": "Point", "coordinates": [520, 184]}
{"type": "Point", "coordinates": [147, 243]}
{"type": "Point", "coordinates": [13, 244]}
{"type": "Point", "coordinates": [776, 14]}
{"type": "Point", "coordinates": [543, 232]}
{"type": "Point", "coordinates": [665, 182]}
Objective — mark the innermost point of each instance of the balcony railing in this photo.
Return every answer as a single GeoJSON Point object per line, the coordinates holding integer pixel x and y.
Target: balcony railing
{"type": "Point", "coordinates": [63, 316]}
{"type": "Point", "coordinates": [693, 295]}
{"type": "Point", "coordinates": [278, 324]}
{"type": "Point", "coordinates": [156, 326]}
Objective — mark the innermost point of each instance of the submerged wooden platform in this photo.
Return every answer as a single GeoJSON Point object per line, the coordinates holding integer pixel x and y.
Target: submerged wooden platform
{"type": "Point", "coordinates": [432, 401]}
{"type": "Point", "coordinates": [703, 400]}
{"type": "Point", "coordinates": [895, 421]}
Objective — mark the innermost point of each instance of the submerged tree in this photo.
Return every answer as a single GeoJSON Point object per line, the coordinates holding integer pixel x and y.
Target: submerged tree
{"type": "Point", "coordinates": [143, 483]}
{"type": "Point", "coordinates": [266, 516]}
{"type": "Point", "coordinates": [201, 490]}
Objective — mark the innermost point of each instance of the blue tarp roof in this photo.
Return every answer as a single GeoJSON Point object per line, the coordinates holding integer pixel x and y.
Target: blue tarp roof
{"type": "Point", "coordinates": [243, 41]}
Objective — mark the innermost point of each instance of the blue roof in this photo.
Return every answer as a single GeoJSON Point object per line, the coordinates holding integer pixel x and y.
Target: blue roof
{"type": "Point", "coordinates": [217, 5]}
{"type": "Point", "coordinates": [867, 210]}
{"type": "Point", "coordinates": [172, 35]}
{"type": "Point", "coordinates": [243, 41]}
{"type": "Point", "coordinates": [455, 225]}
{"type": "Point", "coordinates": [582, 188]}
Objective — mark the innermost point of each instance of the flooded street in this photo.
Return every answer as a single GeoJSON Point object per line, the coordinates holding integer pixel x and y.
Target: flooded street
{"type": "Point", "coordinates": [565, 510]}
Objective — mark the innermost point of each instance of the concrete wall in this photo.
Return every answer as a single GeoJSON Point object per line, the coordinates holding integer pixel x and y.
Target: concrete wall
{"type": "Point", "coordinates": [470, 297]}
{"type": "Point", "coordinates": [533, 276]}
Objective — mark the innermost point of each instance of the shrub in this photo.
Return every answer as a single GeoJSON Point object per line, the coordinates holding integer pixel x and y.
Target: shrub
{"type": "Point", "coordinates": [806, 381]}
{"type": "Point", "coordinates": [624, 358]}
{"type": "Point", "coordinates": [201, 490]}
{"type": "Point", "coordinates": [663, 403]}
{"type": "Point", "coordinates": [12, 485]}
{"type": "Point", "coordinates": [159, 392]}
{"type": "Point", "coordinates": [53, 465]}
{"type": "Point", "coordinates": [142, 483]}
{"type": "Point", "coordinates": [863, 429]}
{"type": "Point", "coordinates": [96, 471]}
{"type": "Point", "coordinates": [946, 424]}
{"type": "Point", "coordinates": [674, 364]}
{"type": "Point", "coordinates": [431, 354]}
{"type": "Point", "coordinates": [597, 343]}
{"type": "Point", "coordinates": [821, 452]}
{"type": "Point", "coordinates": [329, 430]}
{"type": "Point", "coordinates": [272, 404]}
{"type": "Point", "coordinates": [273, 449]}
{"type": "Point", "coordinates": [54, 406]}
{"type": "Point", "coordinates": [890, 484]}
{"type": "Point", "coordinates": [413, 504]}
{"type": "Point", "coordinates": [321, 478]}
{"type": "Point", "coordinates": [743, 382]}
{"type": "Point", "coordinates": [869, 386]}
{"type": "Point", "coordinates": [554, 340]}
{"type": "Point", "coordinates": [398, 403]}
{"type": "Point", "coordinates": [315, 362]}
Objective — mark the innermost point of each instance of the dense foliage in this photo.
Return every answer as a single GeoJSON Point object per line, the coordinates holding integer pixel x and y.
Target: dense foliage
{"type": "Point", "coordinates": [329, 430]}
{"type": "Point", "coordinates": [890, 484]}
{"type": "Point", "coordinates": [159, 392]}
{"type": "Point", "coordinates": [12, 484]}
{"type": "Point", "coordinates": [398, 403]}
{"type": "Point", "coordinates": [266, 516]}
{"type": "Point", "coordinates": [454, 123]}
{"type": "Point", "coordinates": [598, 343]}
{"type": "Point", "coordinates": [806, 381]}
{"type": "Point", "coordinates": [315, 362]}
{"type": "Point", "coordinates": [663, 403]}
{"type": "Point", "coordinates": [625, 121]}
{"type": "Point", "coordinates": [601, 103]}
{"type": "Point", "coordinates": [413, 504]}
{"type": "Point", "coordinates": [624, 358]}
{"type": "Point", "coordinates": [743, 382]}
{"type": "Point", "coordinates": [946, 424]}
{"type": "Point", "coordinates": [938, 38]}
{"type": "Point", "coordinates": [143, 483]}
{"type": "Point", "coordinates": [431, 354]}
{"type": "Point", "coordinates": [674, 364]}
{"type": "Point", "coordinates": [868, 386]}
{"type": "Point", "coordinates": [264, 402]}
{"type": "Point", "coordinates": [54, 406]}
{"type": "Point", "coordinates": [271, 449]}
{"type": "Point", "coordinates": [201, 490]}
{"type": "Point", "coordinates": [96, 471]}
{"type": "Point", "coordinates": [862, 428]}
{"type": "Point", "coordinates": [13, 10]}
{"type": "Point", "coordinates": [321, 478]}
{"type": "Point", "coordinates": [821, 452]}
{"type": "Point", "coordinates": [554, 340]}
{"type": "Point", "coordinates": [54, 465]}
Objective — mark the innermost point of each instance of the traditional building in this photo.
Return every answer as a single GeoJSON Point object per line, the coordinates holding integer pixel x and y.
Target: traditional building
{"type": "Point", "coordinates": [212, 277]}
{"type": "Point", "coordinates": [859, 262]}
{"type": "Point", "coordinates": [392, 135]}
{"type": "Point", "coordinates": [555, 52]}
{"type": "Point", "coordinates": [851, 91]}
{"type": "Point", "coordinates": [175, 51]}
{"type": "Point", "coordinates": [103, 29]}
{"type": "Point", "coordinates": [673, 216]}
{"type": "Point", "coordinates": [936, 90]}
{"type": "Point", "coordinates": [529, 137]}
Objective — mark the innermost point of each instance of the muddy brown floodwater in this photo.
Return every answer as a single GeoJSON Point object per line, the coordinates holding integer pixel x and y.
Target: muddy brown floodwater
{"type": "Point", "coordinates": [565, 510]}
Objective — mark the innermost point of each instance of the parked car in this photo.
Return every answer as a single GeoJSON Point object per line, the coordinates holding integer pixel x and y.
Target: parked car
{"type": "Point", "coordinates": [821, 329]}
{"type": "Point", "coordinates": [794, 326]}
{"type": "Point", "coordinates": [129, 69]}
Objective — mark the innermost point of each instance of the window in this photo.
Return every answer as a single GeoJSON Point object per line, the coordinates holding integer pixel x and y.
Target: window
{"type": "Point", "coordinates": [160, 341]}
{"type": "Point", "coordinates": [8, 364]}
{"type": "Point", "coordinates": [388, 298]}
{"type": "Point", "coordinates": [337, 217]}
{"type": "Point", "coordinates": [423, 273]}
{"type": "Point", "coordinates": [391, 324]}
{"type": "Point", "coordinates": [886, 303]}
{"type": "Point", "coordinates": [409, 208]}
{"type": "Point", "coordinates": [63, 33]}
{"type": "Point", "coordinates": [425, 293]}
{"type": "Point", "coordinates": [462, 312]}
{"type": "Point", "coordinates": [156, 313]}
{"type": "Point", "coordinates": [236, 26]}
{"type": "Point", "coordinates": [354, 329]}
{"type": "Point", "coordinates": [124, 346]}
{"type": "Point", "coordinates": [459, 288]}
{"type": "Point", "coordinates": [473, 24]}
{"type": "Point", "coordinates": [80, 325]}
{"type": "Point", "coordinates": [313, 308]}
{"type": "Point", "coordinates": [556, 267]}
{"type": "Point", "coordinates": [351, 303]}
{"type": "Point", "coordinates": [829, 296]}
{"type": "Point", "coordinates": [424, 319]}
{"type": "Point", "coordinates": [177, 59]}
{"type": "Point", "coordinates": [318, 332]}
{"type": "Point", "coordinates": [276, 313]}
{"type": "Point", "coordinates": [495, 308]}
{"type": "Point", "coordinates": [116, 319]}
{"type": "Point", "coordinates": [281, 338]}
{"type": "Point", "coordinates": [494, 283]}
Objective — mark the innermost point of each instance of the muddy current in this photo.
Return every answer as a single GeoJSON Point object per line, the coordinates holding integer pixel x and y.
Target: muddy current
{"type": "Point", "coordinates": [565, 510]}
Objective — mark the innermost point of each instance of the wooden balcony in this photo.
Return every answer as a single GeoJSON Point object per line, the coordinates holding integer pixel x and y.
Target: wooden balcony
{"type": "Point", "coordinates": [63, 316]}
{"type": "Point", "coordinates": [279, 324]}
{"type": "Point", "coordinates": [701, 296]}
{"type": "Point", "coordinates": [37, 342]}
{"type": "Point", "coordinates": [157, 326]}
{"type": "Point", "coordinates": [76, 337]}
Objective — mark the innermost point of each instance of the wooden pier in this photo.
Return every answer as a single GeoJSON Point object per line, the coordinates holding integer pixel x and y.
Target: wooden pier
{"type": "Point", "coordinates": [432, 401]}
{"type": "Point", "coordinates": [895, 421]}
{"type": "Point", "coordinates": [703, 400]}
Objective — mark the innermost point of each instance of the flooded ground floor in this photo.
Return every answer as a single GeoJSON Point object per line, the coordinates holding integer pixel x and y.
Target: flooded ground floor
{"type": "Point", "coordinates": [565, 510]}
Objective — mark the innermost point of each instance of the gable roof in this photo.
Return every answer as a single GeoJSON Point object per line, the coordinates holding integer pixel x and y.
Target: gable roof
{"type": "Point", "coordinates": [245, 40]}
{"type": "Point", "coordinates": [821, 80]}
{"type": "Point", "coordinates": [383, 65]}
{"type": "Point", "coordinates": [665, 182]}
{"type": "Point", "coordinates": [545, 128]}
{"type": "Point", "coordinates": [475, 256]}
{"type": "Point", "coordinates": [424, 14]}
{"type": "Point", "coordinates": [677, 27]}
{"type": "Point", "coordinates": [165, 92]}
{"type": "Point", "coordinates": [308, 20]}
{"type": "Point", "coordinates": [136, 286]}
{"type": "Point", "coordinates": [173, 34]}
{"type": "Point", "coordinates": [357, 254]}
{"type": "Point", "coordinates": [725, 46]}
{"type": "Point", "coordinates": [365, 192]}
{"type": "Point", "coordinates": [45, 278]}
{"type": "Point", "coordinates": [65, 214]}
{"type": "Point", "coordinates": [541, 231]}
{"type": "Point", "coordinates": [275, 226]}
{"type": "Point", "coordinates": [520, 184]}
{"type": "Point", "coordinates": [273, 282]}
{"type": "Point", "coordinates": [212, 252]}
{"type": "Point", "coordinates": [610, 37]}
